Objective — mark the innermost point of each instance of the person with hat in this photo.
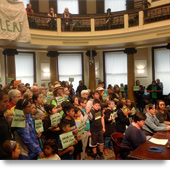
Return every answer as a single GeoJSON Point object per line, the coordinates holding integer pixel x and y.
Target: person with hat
{"type": "Point", "coordinates": [103, 92]}
{"type": "Point", "coordinates": [58, 97]}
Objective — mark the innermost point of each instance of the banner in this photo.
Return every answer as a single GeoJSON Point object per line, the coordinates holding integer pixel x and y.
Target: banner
{"type": "Point", "coordinates": [13, 22]}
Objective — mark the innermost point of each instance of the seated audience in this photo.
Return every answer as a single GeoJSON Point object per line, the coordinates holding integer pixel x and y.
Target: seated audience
{"type": "Point", "coordinates": [134, 135]}
{"type": "Point", "coordinates": [152, 123]}
{"type": "Point", "coordinates": [162, 113]}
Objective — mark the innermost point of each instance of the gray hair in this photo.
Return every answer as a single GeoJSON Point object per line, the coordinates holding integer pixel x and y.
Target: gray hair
{"type": "Point", "coordinates": [26, 94]}
{"type": "Point", "coordinates": [13, 93]}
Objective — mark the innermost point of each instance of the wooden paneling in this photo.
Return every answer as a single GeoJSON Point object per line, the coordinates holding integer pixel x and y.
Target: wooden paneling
{"type": "Point", "coordinates": [35, 5]}
{"type": "Point", "coordinates": [99, 6]}
{"type": "Point", "coordinates": [82, 7]}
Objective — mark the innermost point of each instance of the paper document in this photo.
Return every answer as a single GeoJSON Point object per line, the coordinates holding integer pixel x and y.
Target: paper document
{"type": "Point", "coordinates": [159, 141]}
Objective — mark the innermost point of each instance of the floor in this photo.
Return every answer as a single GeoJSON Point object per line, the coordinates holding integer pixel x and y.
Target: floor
{"type": "Point", "coordinates": [107, 156]}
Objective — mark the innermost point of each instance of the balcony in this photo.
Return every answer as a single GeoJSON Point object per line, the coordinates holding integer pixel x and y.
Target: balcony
{"type": "Point", "coordinates": [124, 29]}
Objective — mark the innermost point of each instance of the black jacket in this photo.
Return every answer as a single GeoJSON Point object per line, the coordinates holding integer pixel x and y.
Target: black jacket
{"type": "Point", "coordinates": [5, 134]}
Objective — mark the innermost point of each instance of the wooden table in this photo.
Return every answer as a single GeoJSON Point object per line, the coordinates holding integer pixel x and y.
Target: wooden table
{"type": "Point", "coordinates": [142, 153]}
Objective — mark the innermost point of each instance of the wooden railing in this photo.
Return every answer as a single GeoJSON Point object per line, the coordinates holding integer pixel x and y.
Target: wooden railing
{"type": "Point", "coordinates": [123, 19]}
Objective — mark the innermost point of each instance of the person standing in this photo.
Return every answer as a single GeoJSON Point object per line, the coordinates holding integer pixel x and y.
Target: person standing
{"type": "Point", "coordinates": [80, 87]}
{"type": "Point", "coordinates": [5, 132]}
{"type": "Point", "coordinates": [139, 96]}
{"type": "Point", "coordinates": [154, 91]}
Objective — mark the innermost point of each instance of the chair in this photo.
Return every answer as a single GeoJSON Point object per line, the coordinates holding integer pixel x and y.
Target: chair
{"type": "Point", "coordinates": [118, 149]}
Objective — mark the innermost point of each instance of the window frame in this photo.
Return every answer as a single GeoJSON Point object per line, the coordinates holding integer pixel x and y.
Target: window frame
{"type": "Point", "coordinates": [82, 62]}
{"type": "Point", "coordinates": [104, 63]}
{"type": "Point", "coordinates": [34, 62]}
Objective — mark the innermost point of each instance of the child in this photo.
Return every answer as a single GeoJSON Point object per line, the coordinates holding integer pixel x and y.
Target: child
{"type": "Point", "coordinates": [69, 114]}
{"type": "Point", "coordinates": [75, 101]}
{"type": "Point", "coordinates": [110, 125]}
{"type": "Point", "coordinates": [121, 120]}
{"type": "Point", "coordinates": [50, 132]}
{"type": "Point", "coordinates": [11, 148]}
{"type": "Point", "coordinates": [78, 146]}
{"type": "Point", "coordinates": [9, 116]}
{"type": "Point", "coordinates": [50, 150]}
{"type": "Point", "coordinates": [125, 108]}
{"type": "Point", "coordinates": [66, 154]}
{"type": "Point", "coordinates": [97, 128]}
{"type": "Point", "coordinates": [84, 118]}
{"type": "Point", "coordinates": [131, 107]}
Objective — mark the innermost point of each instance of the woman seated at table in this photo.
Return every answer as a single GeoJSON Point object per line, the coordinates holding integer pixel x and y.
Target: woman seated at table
{"type": "Point", "coordinates": [162, 113]}
{"type": "Point", "coordinates": [134, 135]}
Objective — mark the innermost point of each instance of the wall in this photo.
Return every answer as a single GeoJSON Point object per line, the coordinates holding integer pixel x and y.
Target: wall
{"type": "Point", "coordinates": [91, 6]}
{"type": "Point", "coordinates": [2, 66]}
{"type": "Point", "coordinates": [145, 53]}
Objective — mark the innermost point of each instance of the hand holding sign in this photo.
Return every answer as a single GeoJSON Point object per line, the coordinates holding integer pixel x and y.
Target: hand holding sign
{"type": "Point", "coordinates": [18, 120]}
{"type": "Point", "coordinates": [55, 119]}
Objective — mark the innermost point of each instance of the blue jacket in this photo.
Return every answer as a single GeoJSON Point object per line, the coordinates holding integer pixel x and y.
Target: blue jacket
{"type": "Point", "coordinates": [29, 138]}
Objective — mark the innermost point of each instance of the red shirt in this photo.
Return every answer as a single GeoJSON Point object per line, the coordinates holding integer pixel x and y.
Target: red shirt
{"type": "Point", "coordinates": [11, 104]}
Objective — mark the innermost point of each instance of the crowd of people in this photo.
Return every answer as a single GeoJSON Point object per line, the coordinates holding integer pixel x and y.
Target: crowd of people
{"type": "Point", "coordinates": [103, 111]}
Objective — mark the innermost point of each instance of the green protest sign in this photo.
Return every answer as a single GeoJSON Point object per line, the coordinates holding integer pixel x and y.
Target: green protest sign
{"type": "Point", "coordinates": [55, 119]}
{"type": "Point", "coordinates": [48, 99]}
{"type": "Point", "coordinates": [67, 139]}
{"type": "Point", "coordinates": [81, 128]}
{"type": "Point", "coordinates": [18, 120]}
{"type": "Point", "coordinates": [135, 88]}
{"type": "Point", "coordinates": [65, 97]}
{"type": "Point", "coordinates": [39, 126]}
{"type": "Point", "coordinates": [71, 79]}
{"type": "Point", "coordinates": [122, 89]}
{"type": "Point", "coordinates": [59, 99]}
{"type": "Point", "coordinates": [9, 80]}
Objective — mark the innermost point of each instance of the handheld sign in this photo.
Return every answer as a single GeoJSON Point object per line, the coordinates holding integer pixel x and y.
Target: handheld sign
{"type": "Point", "coordinates": [18, 120]}
{"type": "Point", "coordinates": [122, 89]}
{"type": "Point", "coordinates": [48, 99]}
{"type": "Point", "coordinates": [39, 126]}
{"type": "Point", "coordinates": [67, 139]}
{"type": "Point", "coordinates": [59, 99]}
{"type": "Point", "coordinates": [71, 79]}
{"type": "Point", "coordinates": [81, 128]}
{"type": "Point", "coordinates": [55, 119]}
{"type": "Point", "coordinates": [65, 97]}
{"type": "Point", "coordinates": [9, 80]}
{"type": "Point", "coordinates": [135, 88]}
{"type": "Point", "coordinates": [16, 82]}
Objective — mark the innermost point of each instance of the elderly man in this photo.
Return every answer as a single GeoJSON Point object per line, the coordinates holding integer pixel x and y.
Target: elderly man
{"type": "Point", "coordinates": [34, 89]}
{"type": "Point", "coordinates": [21, 88]}
{"type": "Point", "coordinates": [5, 133]}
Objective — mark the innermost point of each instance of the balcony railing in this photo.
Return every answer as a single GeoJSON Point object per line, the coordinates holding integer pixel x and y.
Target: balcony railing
{"type": "Point", "coordinates": [91, 24]}
{"type": "Point", "coordinates": [109, 22]}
